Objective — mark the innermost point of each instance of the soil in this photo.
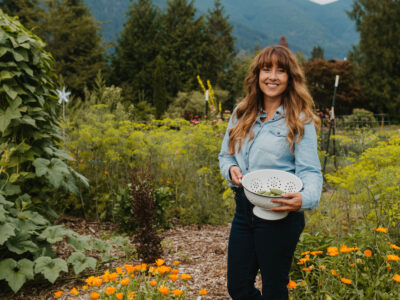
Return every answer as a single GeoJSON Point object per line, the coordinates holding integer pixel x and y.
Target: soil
{"type": "Point", "coordinates": [201, 250]}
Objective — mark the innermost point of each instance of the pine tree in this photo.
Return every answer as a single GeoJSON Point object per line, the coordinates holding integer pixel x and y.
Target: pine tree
{"type": "Point", "coordinates": [137, 48]}
{"type": "Point", "coordinates": [159, 89]}
{"type": "Point", "coordinates": [72, 38]}
{"type": "Point", "coordinates": [220, 41]}
{"type": "Point", "coordinates": [283, 42]}
{"type": "Point", "coordinates": [29, 12]}
{"type": "Point", "coordinates": [183, 46]}
{"type": "Point", "coordinates": [317, 52]}
{"type": "Point", "coordinates": [378, 55]}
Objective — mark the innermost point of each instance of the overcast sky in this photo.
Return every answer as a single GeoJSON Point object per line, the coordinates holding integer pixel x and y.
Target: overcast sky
{"type": "Point", "coordinates": [322, 2]}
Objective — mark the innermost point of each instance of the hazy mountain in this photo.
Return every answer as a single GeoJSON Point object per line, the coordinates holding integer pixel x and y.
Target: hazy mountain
{"type": "Point", "coordinates": [305, 24]}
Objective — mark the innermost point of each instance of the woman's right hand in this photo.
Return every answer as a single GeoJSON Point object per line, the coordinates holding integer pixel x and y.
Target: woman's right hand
{"type": "Point", "coordinates": [236, 174]}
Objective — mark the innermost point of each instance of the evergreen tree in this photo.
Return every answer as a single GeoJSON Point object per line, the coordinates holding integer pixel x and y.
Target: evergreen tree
{"type": "Point", "coordinates": [136, 50]}
{"type": "Point", "coordinates": [72, 38]}
{"type": "Point", "coordinates": [317, 52]}
{"type": "Point", "coordinates": [159, 89]}
{"type": "Point", "coordinates": [378, 55]}
{"type": "Point", "coordinates": [220, 41]}
{"type": "Point", "coordinates": [283, 42]}
{"type": "Point", "coordinates": [29, 12]}
{"type": "Point", "coordinates": [183, 46]}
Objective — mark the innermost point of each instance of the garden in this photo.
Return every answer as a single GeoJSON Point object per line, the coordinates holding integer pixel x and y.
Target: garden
{"type": "Point", "coordinates": [95, 204]}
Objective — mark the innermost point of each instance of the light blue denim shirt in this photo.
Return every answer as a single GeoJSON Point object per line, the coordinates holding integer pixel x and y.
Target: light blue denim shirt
{"type": "Point", "coordinates": [269, 149]}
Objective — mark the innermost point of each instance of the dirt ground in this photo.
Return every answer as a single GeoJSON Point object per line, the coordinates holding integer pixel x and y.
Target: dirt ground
{"type": "Point", "coordinates": [201, 250]}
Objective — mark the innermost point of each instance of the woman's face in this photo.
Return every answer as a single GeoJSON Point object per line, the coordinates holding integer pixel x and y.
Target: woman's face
{"type": "Point", "coordinates": [273, 81]}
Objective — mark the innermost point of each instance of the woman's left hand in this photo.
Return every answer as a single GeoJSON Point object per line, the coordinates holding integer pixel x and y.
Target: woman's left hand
{"type": "Point", "coordinates": [290, 202]}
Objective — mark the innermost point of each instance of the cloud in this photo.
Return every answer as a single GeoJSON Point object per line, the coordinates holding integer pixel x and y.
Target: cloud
{"type": "Point", "coordinates": [323, 2]}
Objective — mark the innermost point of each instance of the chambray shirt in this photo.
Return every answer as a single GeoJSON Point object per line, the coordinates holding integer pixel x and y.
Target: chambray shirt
{"type": "Point", "coordinates": [269, 149]}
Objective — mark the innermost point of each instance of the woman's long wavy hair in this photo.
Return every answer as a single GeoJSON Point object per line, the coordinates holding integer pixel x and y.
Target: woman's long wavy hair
{"type": "Point", "coordinates": [295, 100]}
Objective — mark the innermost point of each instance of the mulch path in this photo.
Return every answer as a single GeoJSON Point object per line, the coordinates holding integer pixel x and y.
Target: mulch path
{"type": "Point", "coordinates": [201, 250]}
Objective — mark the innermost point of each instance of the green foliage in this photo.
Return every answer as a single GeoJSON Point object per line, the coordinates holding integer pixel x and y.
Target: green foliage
{"type": "Point", "coordinates": [16, 272]}
{"type": "Point", "coordinates": [50, 268]}
{"type": "Point", "coordinates": [160, 96]}
{"type": "Point", "coordinates": [359, 118]}
{"type": "Point", "coordinates": [29, 12]}
{"type": "Point", "coordinates": [317, 53]}
{"type": "Point", "coordinates": [80, 262]}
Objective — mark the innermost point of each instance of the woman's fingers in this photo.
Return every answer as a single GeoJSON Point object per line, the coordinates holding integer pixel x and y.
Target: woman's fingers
{"type": "Point", "coordinates": [236, 174]}
{"type": "Point", "coordinates": [291, 202]}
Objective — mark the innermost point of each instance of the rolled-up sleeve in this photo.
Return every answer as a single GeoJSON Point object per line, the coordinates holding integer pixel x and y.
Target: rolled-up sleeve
{"type": "Point", "coordinates": [226, 161]}
{"type": "Point", "coordinates": [308, 167]}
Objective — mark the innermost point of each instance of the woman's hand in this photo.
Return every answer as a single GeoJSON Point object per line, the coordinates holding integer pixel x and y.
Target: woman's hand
{"type": "Point", "coordinates": [236, 174]}
{"type": "Point", "coordinates": [290, 202]}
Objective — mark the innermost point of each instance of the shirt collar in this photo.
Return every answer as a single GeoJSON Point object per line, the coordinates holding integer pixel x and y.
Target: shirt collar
{"type": "Point", "coordinates": [278, 114]}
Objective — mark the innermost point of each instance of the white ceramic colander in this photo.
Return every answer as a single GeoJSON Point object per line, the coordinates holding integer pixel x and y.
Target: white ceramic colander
{"type": "Point", "coordinates": [265, 180]}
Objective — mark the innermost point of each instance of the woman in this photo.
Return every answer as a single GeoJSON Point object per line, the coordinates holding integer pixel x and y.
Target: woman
{"type": "Point", "coordinates": [273, 127]}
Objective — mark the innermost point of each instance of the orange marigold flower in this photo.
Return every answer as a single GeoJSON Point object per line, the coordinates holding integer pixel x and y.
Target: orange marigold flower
{"type": "Point", "coordinates": [98, 281]}
{"type": "Point", "coordinates": [74, 291]}
{"type": "Point", "coordinates": [368, 253]}
{"type": "Point", "coordinates": [395, 247]}
{"type": "Point", "coordinates": [334, 273]}
{"type": "Point", "coordinates": [112, 276]}
{"type": "Point", "coordinates": [94, 295]}
{"type": "Point", "coordinates": [174, 271]}
{"type": "Point", "coordinates": [110, 290]}
{"type": "Point", "coordinates": [392, 257]}
{"type": "Point", "coordinates": [177, 292]}
{"type": "Point", "coordinates": [305, 253]}
{"type": "Point", "coordinates": [344, 249]}
{"type": "Point", "coordinates": [176, 262]}
{"type": "Point", "coordinates": [163, 269]}
{"type": "Point", "coordinates": [129, 268]}
{"type": "Point", "coordinates": [351, 265]}
{"type": "Point", "coordinates": [345, 280]}
{"type": "Point", "coordinates": [388, 267]}
{"type": "Point", "coordinates": [303, 283]}
{"type": "Point", "coordinates": [380, 229]}
{"type": "Point", "coordinates": [316, 252]}
{"type": "Point", "coordinates": [152, 269]}
{"type": "Point", "coordinates": [153, 282]}
{"type": "Point", "coordinates": [163, 290]}
{"type": "Point", "coordinates": [85, 287]}
{"type": "Point", "coordinates": [203, 292]}
{"type": "Point", "coordinates": [105, 173]}
{"type": "Point", "coordinates": [396, 277]}
{"type": "Point", "coordinates": [160, 262]}
{"type": "Point", "coordinates": [125, 281]}
{"type": "Point", "coordinates": [143, 267]}
{"type": "Point", "coordinates": [292, 284]}
{"type": "Point", "coordinates": [132, 295]}
{"type": "Point", "coordinates": [119, 270]}
{"type": "Point", "coordinates": [105, 276]}
{"type": "Point", "coordinates": [307, 269]}
{"type": "Point", "coordinates": [186, 276]}
{"type": "Point", "coordinates": [58, 294]}
{"type": "Point", "coordinates": [173, 277]}
{"type": "Point", "coordinates": [119, 296]}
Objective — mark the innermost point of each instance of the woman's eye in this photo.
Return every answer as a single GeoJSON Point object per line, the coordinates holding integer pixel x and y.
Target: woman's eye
{"type": "Point", "coordinates": [281, 70]}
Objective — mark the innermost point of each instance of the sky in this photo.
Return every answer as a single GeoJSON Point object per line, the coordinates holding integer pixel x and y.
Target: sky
{"type": "Point", "coordinates": [323, 2]}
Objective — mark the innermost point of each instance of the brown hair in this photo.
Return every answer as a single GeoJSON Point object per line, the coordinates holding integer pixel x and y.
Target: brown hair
{"type": "Point", "coordinates": [295, 100]}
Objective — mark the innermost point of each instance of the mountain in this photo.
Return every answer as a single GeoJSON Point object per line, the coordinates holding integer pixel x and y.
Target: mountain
{"type": "Point", "coordinates": [304, 23]}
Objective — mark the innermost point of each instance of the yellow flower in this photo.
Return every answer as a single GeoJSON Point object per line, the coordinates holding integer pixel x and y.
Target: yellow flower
{"type": "Point", "coordinates": [380, 229]}
{"type": "Point", "coordinates": [125, 281]}
{"type": "Point", "coordinates": [119, 296]}
{"type": "Point", "coordinates": [94, 295]}
{"type": "Point", "coordinates": [110, 290]}
{"type": "Point", "coordinates": [177, 292]}
{"type": "Point", "coordinates": [395, 247]}
{"type": "Point", "coordinates": [58, 294]}
{"type": "Point", "coordinates": [173, 277]}
{"type": "Point", "coordinates": [186, 276]}
{"type": "Point", "coordinates": [396, 277]}
{"type": "Point", "coordinates": [368, 253]}
{"type": "Point", "coordinates": [176, 262]}
{"type": "Point", "coordinates": [345, 280]}
{"type": "Point", "coordinates": [160, 262]}
{"type": "Point", "coordinates": [153, 282]}
{"type": "Point", "coordinates": [292, 284]}
{"type": "Point", "coordinates": [74, 291]}
{"type": "Point", "coordinates": [164, 290]}
{"type": "Point", "coordinates": [392, 257]}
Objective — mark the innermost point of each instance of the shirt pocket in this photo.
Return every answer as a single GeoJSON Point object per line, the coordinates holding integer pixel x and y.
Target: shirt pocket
{"type": "Point", "coordinates": [280, 141]}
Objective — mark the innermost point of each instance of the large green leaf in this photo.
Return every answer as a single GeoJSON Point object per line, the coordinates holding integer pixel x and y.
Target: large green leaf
{"type": "Point", "coordinates": [33, 217]}
{"type": "Point", "coordinates": [11, 189]}
{"type": "Point", "coordinates": [7, 230]}
{"type": "Point", "coordinates": [10, 91]}
{"type": "Point", "coordinates": [6, 117]}
{"type": "Point", "coordinates": [79, 242]}
{"type": "Point", "coordinates": [54, 234]}
{"type": "Point", "coordinates": [50, 268]}
{"type": "Point", "coordinates": [3, 214]}
{"type": "Point", "coordinates": [41, 166]}
{"type": "Point", "coordinates": [21, 243]}
{"type": "Point", "coordinates": [5, 202]}
{"type": "Point", "coordinates": [80, 262]}
{"type": "Point", "coordinates": [16, 273]}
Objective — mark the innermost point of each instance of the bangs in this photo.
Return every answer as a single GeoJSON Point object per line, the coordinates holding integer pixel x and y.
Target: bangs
{"type": "Point", "coordinates": [272, 56]}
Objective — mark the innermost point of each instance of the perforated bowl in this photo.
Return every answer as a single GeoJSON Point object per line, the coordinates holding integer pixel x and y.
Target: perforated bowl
{"type": "Point", "coordinates": [266, 180]}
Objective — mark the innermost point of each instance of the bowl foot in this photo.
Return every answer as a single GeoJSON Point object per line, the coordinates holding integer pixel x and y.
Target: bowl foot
{"type": "Point", "coordinates": [268, 214]}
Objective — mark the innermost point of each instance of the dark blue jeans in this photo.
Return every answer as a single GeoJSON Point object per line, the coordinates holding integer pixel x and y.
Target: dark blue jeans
{"type": "Point", "coordinates": [257, 244]}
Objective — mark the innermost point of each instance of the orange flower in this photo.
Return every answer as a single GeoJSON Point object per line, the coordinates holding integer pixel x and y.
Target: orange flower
{"type": "Point", "coordinates": [131, 295]}
{"type": "Point", "coordinates": [392, 257]}
{"type": "Point", "coordinates": [105, 173]}
{"type": "Point", "coordinates": [153, 282]}
{"type": "Point", "coordinates": [173, 277]}
{"type": "Point", "coordinates": [164, 290]}
{"type": "Point", "coordinates": [58, 294]}
{"type": "Point", "coordinates": [85, 287]}
{"type": "Point", "coordinates": [110, 290]}
{"type": "Point", "coordinates": [316, 252]}
{"type": "Point", "coordinates": [125, 281]}
{"type": "Point", "coordinates": [160, 262]}
{"type": "Point", "coordinates": [129, 268]}
{"type": "Point", "coordinates": [105, 276]}
{"type": "Point", "coordinates": [395, 247]}
{"type": "Point", "coordinates": [119, 270]}
{"type": "Point", "coordinates": [203, 292]}
{"type": "Point", "coordinates": [307, 269]}
{"type": "Point", "coordinates": [176, 262]}
{"type": "Point", "coordinates": [332, 251]}
{"type": "Point", "coordinates": [177, 292]}
{"type": "Point", "coordinates": [292, 284]}
{"type": "Point", "coordinates": [303, 283]}
{"type": "Point", "coordinates": [119, 296]}
{"type": "Point", "coordinates": [368, 253]}
{"type": "Point", "coordinates": [175, 271]}
{"type": "Point", "coordinates": [74, 292]}
{"type": "Point", "coordinates": [380, 229]}
{"type": "Point", "coordinates": [113, 276]}
{"type": "Point", "coordinates": [344, 249]}
{"type": "Point", "coordinates": [186, 276]}
{"type": "Point", "coordinates": [334, 273]}
{"type": "Point", "coordinates": [305, 253]}
{"type": "Point", "coordinates": [94, 295]}
{"type": "Point", "coordinates": [345, 280]}
{"type": "Point", "coordinates": [163, 269]}
{"type": "Point", "coordinates": [396, 277]}
{"type": "Point", "coordinates": [351, 265]}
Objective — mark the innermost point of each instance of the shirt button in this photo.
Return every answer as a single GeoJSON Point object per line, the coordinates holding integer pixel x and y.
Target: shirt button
{"type": "Point", "coordinates": [279, 132]}
{"type": "Point", "coordinates": [247, 169]}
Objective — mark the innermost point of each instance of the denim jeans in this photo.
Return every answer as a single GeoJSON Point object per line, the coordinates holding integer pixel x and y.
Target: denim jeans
{"type": "Point", "coordinates": [257, 244]}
